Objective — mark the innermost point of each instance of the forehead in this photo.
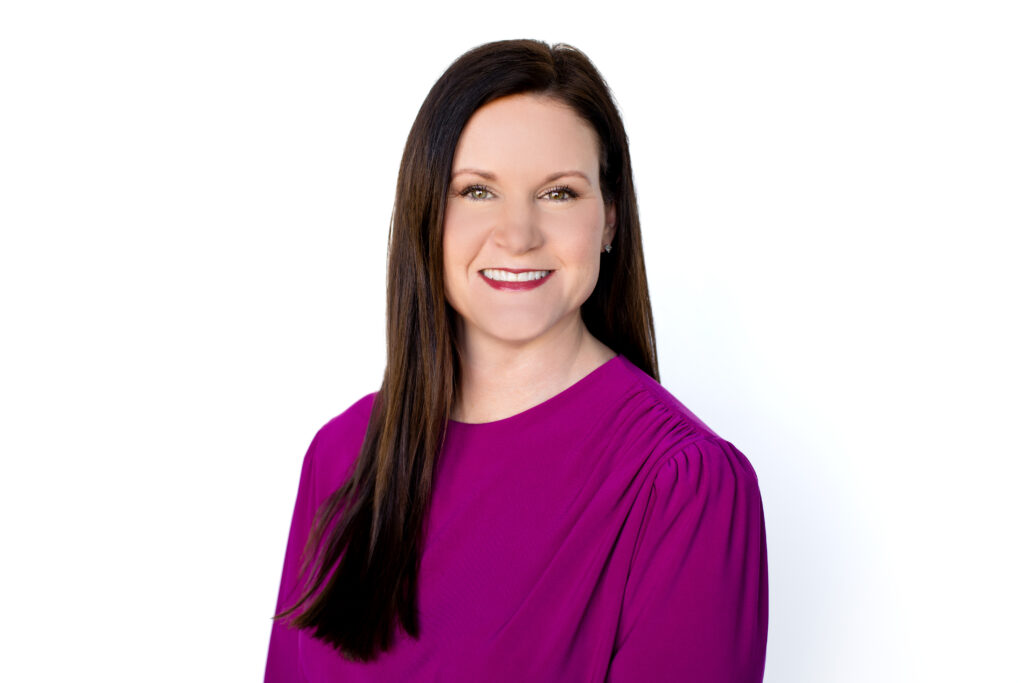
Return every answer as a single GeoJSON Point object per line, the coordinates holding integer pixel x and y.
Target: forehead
{"type": "Point", "coordinates": [527, 133]}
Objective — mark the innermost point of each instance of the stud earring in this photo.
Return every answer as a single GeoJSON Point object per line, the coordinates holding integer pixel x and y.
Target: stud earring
{"type": "Point", "coordinates": [607, 248]}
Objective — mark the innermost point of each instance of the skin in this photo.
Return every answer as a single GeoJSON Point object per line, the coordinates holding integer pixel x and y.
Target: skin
{"type": "Point", "coordinates": [507, 210]}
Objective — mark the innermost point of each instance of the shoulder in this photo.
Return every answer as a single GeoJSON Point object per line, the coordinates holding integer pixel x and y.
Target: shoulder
{"type": "Point", "coordinates": [336, 445]}
{"type": "Point", "coordinates": [349, 425]}
{"type": "Point", "coordinates": [647, 401]}
{"type": "Point", "coordinates": [682, 441]}
{"type": "Point", "coordinates": [707, 468]}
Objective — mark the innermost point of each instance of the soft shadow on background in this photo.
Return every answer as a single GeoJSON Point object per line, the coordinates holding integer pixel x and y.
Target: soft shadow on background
{"type": "Point", "coordinates": [194, 210]}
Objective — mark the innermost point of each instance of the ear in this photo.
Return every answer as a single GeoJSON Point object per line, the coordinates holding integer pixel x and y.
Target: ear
{"type": "Point", "coordinates": [609, 223]}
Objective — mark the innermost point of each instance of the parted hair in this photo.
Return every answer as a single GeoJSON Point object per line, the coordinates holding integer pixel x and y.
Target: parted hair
{"type": "Point", "coordinates": [361, 563]}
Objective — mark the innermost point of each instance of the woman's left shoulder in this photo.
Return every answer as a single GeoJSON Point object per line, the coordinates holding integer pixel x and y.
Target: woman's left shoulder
{"type": "Point", "coordinates": [683, 439]}
{"type": "Point", "coordinates": [650, 402]}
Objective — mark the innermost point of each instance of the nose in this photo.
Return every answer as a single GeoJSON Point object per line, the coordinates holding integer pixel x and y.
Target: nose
{"type": "Point", "coordinates": [517, 229]}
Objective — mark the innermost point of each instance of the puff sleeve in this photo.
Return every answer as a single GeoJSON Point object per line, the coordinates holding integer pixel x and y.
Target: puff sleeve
{"type": "Point", "coordinates": [283, 656]}
{"type": "Point", "coordinates": [695, 606]}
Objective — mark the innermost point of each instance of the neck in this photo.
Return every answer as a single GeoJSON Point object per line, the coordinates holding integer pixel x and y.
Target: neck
{"type": "Point", "coordinates": [499, 379]}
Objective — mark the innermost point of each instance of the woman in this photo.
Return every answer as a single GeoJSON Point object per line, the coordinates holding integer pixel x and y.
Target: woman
{"type": "Point", "coordinates": [521, 500]}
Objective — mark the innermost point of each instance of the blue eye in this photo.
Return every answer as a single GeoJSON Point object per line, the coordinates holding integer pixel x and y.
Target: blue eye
{"type": "Point", "coordinates": [560, 194]}
{"type": "Point", "coordinates": [476, 193]}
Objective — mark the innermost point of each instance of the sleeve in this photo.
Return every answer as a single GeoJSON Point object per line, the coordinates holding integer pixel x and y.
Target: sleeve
{"type": "Point", "coordinates": [695, 606]}
{"type": "Point", "coordinates": [283, 656]}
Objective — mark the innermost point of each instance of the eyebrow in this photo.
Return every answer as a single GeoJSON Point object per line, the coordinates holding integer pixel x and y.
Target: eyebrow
{"type": "Point", "coordinates": [487, 175]}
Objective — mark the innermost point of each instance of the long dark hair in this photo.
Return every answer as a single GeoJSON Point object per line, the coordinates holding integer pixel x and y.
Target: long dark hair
{"type": "Point", "coordinates": [363, 553]}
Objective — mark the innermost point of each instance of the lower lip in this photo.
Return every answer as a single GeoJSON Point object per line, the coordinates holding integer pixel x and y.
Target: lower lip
{"type": "Point", "coordinates": [516, 286]}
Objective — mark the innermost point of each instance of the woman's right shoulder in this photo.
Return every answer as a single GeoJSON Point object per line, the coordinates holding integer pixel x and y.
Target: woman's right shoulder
{"type": "Point", "coordinates": [337, 444]}
{"type": "Point", "coordinates": [351, 423]}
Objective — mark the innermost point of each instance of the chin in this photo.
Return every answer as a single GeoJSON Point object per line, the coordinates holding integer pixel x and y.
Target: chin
{"type": "Point", "coordinates": [520, 331]}
{"type": "Point", "coordinates": [515, 336]}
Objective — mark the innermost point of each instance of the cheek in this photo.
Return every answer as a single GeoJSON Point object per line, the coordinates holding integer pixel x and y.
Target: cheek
{"type": "Point", "coordinates": [458, 248]}
{"type": "Point", "coordinates": [580, 237]}
{"type": "Point", "coordinates": [457, 233]}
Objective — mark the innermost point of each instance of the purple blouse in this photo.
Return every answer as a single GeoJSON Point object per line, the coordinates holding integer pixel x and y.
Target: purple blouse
{"type": "Point", "coordinates": [604, 534]}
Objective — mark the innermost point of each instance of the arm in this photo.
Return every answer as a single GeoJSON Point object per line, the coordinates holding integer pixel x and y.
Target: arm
{"type": "Point", "coordinates": [696, 600]}
{"type": "Point", "coordinates": [283, 656]}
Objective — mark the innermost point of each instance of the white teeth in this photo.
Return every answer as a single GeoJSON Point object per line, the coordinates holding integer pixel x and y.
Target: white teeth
{"type": "Point", "coordinates": [505, 276]}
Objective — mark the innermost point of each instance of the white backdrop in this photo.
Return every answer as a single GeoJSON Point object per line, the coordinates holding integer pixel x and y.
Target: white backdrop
{"type": "Point", "coordinates": [194, 200]}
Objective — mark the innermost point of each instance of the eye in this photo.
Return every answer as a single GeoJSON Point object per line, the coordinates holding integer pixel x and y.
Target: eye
{"type": "Point", "coordinates": [560, 194]}
{"type": "Point", "coordinates": [476, 193]}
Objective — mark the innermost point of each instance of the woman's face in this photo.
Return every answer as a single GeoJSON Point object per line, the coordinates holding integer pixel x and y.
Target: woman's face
{"type": "Point", "coordinates": [525, 222]}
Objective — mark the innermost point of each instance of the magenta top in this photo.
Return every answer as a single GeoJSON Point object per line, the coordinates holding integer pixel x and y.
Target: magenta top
{"type": "Point", "coordinates": [604, 534]}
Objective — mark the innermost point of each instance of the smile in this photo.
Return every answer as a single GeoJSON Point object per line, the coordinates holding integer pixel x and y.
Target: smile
{"type": "Point", "coordinates": [509, 276]}
{"type": "Point", "coordinates": [510, 280]}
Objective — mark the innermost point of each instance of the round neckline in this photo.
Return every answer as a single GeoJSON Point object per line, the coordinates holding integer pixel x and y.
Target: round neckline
{"type": "Point", "coordinates": [565, 394]}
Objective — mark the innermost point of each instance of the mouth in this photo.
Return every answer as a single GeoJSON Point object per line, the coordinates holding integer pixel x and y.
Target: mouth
{"type": "Point", "coordinates": [516, 279]}
{"type": "Point", "coordinates": [514, 274]}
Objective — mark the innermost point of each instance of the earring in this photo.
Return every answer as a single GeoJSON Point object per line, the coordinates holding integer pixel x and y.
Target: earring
{"type": "Point", "coordinates": [607, 248]}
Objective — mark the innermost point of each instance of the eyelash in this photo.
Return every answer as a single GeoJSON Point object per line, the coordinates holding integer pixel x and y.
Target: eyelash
{"type": "Point", "coordinates": [564, 189]}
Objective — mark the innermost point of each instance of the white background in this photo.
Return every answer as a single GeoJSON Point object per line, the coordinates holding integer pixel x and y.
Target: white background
{"type": "Point", "coordinates": [194, 201]}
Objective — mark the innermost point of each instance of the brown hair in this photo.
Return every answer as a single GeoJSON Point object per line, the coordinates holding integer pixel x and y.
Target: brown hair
{"type": "Point", "coordinates": [364, 548]}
